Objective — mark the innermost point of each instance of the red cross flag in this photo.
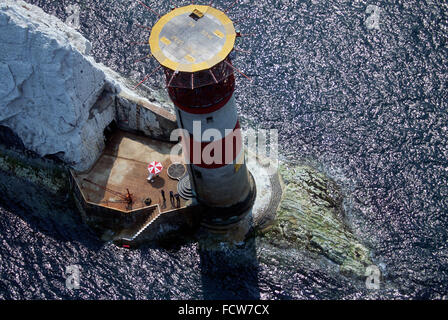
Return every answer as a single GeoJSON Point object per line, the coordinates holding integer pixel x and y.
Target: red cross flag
{"type": "Point", "coordinates": [155, 167]}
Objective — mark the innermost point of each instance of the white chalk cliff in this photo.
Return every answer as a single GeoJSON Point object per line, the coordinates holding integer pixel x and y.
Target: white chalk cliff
{"type": "Point", "coordinates": [51, 89]}
{"type": "Point", "coordinates": [48, 85]}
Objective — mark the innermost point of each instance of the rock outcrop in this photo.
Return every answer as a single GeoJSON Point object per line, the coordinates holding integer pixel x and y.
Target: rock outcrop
{"type": "Point", "coordinates": [55, 98]}
{"type": "Point", "coordinates": [48, 85]}
{"type": "Point", "coordinates": [311, 217]}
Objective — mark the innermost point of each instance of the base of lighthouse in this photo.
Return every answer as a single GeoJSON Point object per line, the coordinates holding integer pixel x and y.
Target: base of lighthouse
{"type": "Point", "coordinates": [222, 218]}
{"type": "Point", "coordinates": [261, 211]}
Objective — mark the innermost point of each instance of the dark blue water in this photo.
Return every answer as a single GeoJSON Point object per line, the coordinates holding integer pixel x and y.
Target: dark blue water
{"type": "Point", "coordinates": [366, 105]}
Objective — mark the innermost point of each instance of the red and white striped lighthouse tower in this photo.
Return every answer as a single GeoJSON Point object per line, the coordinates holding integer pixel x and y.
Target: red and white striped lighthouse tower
{"type": "Point", "coordinates": [193, 44]}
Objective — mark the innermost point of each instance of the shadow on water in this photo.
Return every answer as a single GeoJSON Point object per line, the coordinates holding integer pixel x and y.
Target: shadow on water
{"type": "Point", "coordinates": [231, 274]}
{"type": "Point", "coordinates": [53, 215]}
{"type": "Point", "coordinates": [228, 266]}
{"type": "Point", "coordinates": [229, 269]}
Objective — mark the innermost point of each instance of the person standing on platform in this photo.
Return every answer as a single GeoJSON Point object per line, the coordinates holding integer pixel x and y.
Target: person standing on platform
{"type": "Point", "coordinates": [164, 199]}
{"type": "Point", "coordinates": [172, 198]}
{"type": "Point", "coordinates": [177, 200]}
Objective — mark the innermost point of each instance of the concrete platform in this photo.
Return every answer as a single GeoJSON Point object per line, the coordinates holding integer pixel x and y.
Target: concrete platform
{"type": "Point", "coordinates": [123, 165]}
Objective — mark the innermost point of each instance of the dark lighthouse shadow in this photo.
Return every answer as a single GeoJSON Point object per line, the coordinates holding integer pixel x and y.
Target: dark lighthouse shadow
{"type": "Point", "coordinates": [229, 267]}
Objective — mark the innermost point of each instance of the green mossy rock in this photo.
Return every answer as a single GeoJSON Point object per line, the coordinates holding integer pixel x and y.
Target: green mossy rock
{"type": "Point", "coordinates": [53, 179]}
{"type": "Point", "coordinates": [310, 217]}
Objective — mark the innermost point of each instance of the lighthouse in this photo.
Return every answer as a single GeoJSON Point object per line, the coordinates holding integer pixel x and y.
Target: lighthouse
{"type": "Point", "coordinates": [193, 44]}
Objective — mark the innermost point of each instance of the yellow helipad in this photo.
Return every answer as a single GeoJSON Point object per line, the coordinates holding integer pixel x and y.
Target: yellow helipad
{"type": "Point", "coordinates": [192, 38]}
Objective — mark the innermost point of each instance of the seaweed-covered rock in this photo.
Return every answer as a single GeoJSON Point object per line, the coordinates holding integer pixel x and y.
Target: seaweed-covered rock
{"type": "Point", "coordinates": [311, 217]}
{"type": "Point", "coordinates": [50, 177]}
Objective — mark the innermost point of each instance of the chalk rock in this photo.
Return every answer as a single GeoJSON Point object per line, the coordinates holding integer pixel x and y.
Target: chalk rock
{"type": "Point", "coordinates": [49, 86]}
